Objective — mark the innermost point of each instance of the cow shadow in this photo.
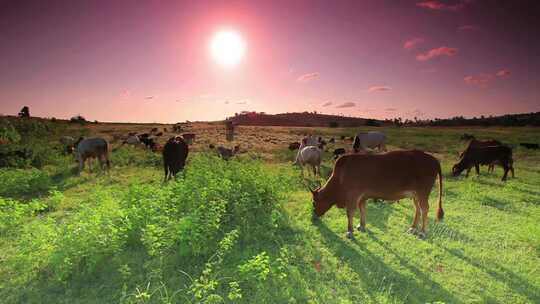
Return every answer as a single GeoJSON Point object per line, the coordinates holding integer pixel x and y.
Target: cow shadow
{"type": "Point", "coordinates": [378, 277]}
{"type": "Point", "coordinates": [501, 274]}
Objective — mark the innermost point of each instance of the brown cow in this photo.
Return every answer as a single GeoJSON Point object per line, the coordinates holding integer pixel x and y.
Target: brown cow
{"type": "Point", "coordinates": [389, 176]}
{"type": "Point", "coordinates": [485, 156]}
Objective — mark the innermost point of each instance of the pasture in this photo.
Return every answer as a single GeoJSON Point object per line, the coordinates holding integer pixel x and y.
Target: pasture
{"type": "Point", "coordinates": [241, 231]}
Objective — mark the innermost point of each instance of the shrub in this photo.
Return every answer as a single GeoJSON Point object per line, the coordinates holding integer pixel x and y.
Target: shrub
{"type": "Point", "coordinates": [18, 182]}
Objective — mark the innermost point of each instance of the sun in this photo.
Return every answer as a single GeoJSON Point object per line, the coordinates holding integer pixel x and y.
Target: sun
{"type": "Point", "coordinates": [227, 48]}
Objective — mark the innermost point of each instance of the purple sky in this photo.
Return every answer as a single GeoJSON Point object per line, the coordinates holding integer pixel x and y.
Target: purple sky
{"type": "Point", "coordinates": [148, 61]}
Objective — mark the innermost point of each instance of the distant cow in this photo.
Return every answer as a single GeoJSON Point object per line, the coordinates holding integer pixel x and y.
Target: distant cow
{"type": "Point", "coordinates": [294, 146]}
{"type": "Point", "coordinates": [175, 153]}
{"type": "Point", "coordinates": [342, 137]}
{"type": "Point", "coordinates": [165, 130]}
{"type": "Point", "coordinates": [227, 153]}
{"type": "Point", "coordinates": [95, 147]}
{"type": "Point", "coordinates": [389, 176]}
{"type": "Point", "coordinates": [148, 142]}
{"type": "Point", "coordinates": [67, 140]}
{"type": "Point", "coordinates": [466, 136]}
{"type": "Point", "coordinates": [310, 155]}
{"type": "Point", "coordinates": [143, 135]}
{"type": "Point", "coordinates": [211, 146]}
{"type": "Point", "coordinates": [132, 133]}
{"type": "Point", "coordinates": [189, 137]}
{"type": "Point", "coordinates": [154, 130]}
{"type": "Point", "coordinates": [476, 156]}
{"type": "Point", "coordinates": [331, 140]}
{"type": "Point", "coordinates": [132, 140]}
{"type": "Point", "coordinates": [159, 133]}
{"type": "Point", "coordinates": [371, 139]}
{"type": "Point", "coordinates": [529, 146]}
{"type": "Point", "coordinates": [338, 152]}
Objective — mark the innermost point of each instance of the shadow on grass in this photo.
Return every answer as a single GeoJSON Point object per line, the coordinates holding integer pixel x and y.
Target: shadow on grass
{"type": "Point", "coordinates": [386, 280]}
{"type": "Point", "coordinates": [503, 275]}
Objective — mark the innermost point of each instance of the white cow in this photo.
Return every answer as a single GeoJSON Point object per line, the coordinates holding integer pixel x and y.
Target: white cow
{"type": "Point", "coordinates": [132, 140]}
{"type": "Point", "coordinates": [372, 140]}
{"type": "Point", "coordinates": [93, 147]}
{"type": "Point", "coordinates": [310, 155]}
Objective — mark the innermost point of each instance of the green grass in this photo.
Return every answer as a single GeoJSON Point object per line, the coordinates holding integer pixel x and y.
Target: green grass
{"type": "Point", "coordinates": [241, 232]}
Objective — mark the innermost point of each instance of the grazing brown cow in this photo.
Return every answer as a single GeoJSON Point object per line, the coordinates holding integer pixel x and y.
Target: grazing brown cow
{"type": "Point", "coordinates": [476, 156]}
{"type": "Point", "coordinates": [175, 153]}
{"type": "Point", "coordinates": [474, 143]}
{"type": "Point", "coordinates": [389, 176]}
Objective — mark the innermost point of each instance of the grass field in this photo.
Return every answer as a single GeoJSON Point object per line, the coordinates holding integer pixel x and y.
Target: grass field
{"type": "Point", "coordinates": [241, 231]}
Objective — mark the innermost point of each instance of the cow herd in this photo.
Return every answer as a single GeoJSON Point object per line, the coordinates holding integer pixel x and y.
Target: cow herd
{"type": "Point", "coordinates": [358, 174]}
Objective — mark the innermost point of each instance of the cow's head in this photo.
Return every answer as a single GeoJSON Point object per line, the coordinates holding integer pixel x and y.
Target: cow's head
{"type": "Point", "coordinates": [458, 168]}
{"type": "Point", "coordinates": [320, 204]}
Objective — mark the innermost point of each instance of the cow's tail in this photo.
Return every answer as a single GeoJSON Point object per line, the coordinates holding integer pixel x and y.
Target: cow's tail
{"type": "Point", "coordinates": [440, 211]}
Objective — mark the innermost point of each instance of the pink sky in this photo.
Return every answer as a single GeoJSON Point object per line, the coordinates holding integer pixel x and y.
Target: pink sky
{"type": "Point", "coordinates": [149, 62]}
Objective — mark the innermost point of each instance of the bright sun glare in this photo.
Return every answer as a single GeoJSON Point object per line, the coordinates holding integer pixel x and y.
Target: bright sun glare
{"type": "Point", "coordinates": [227, 48]}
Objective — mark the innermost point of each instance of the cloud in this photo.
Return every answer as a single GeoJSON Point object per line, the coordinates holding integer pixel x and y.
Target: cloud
{"type": "Point", "coordinates": [433, 53]}
{"type": "Point", "coordinates": [346, 105]}
{"type": "Point", "coordinates": [390, 110]}
{"type": "Point", "coordinates": [179, 100]}
{"type": "Point", "coordinates": [379, 89]}
{"type": "Point", "coordinates": [484, 79]}
{"type": "Point", "coordinates": [436, 5]}
{"type": "Point", "coordinates": [411, 43]}
{"type": "Point", "coordinates": [503, 73]}
{"type": "Point", "coordinates": [480, 80]}
{"type": "Point", "coordinates": [308, 77]}
{"type": "Point", "coordinates": [327, 104]}
{"type": "Point", "coordinates": [126, 94]}
{"type": "Point", "coordinates": [149, 97]}
{"type": "Point", "coordinates": [242, 101]}
{"type": "Point", "coordinates": [468, 27]}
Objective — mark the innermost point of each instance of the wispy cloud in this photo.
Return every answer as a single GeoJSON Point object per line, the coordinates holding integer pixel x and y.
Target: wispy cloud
{"type": "Point", "coordinates": [484, 79]}
{"type": "Point", "coordinates": [412, 43]}
{"type": "Point", "coordinates": [436, 5]}
{"type": "Point", "coordinates": [149, 97]}
{"type": "Point", "coordinates": [390, 110]}
{"type": "Point", "coordinates": [327, 104]}
{"type": "Point", "coordinates": [308, 77]}
{"type": "Point", "coordinates": [468, 27]}
{"type": "Point", "coordinates": [242, 101]}
{"type": "Point", "coordinates": [125, 94]}
{"type": "Point", "coordinates": [503, 73]}
{"type": "Point", "coordinates": [433, 53]}
{"type": "Point", "coordinates": [346, 105]}
{"type": "Point", "coordinates": [379, 89]}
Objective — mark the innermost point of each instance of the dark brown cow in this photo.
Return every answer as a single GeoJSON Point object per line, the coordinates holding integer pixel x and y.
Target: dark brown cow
{"type": "Point", "coordinates": [294, 146]}
{"type": "Point", "coordinates": [389, 176]}
{"type": "Point", "coordinates": [476, 156]}
{"type": "Point", "coordinates": [474, 143]}
{"type": "Point", "coordinates": [338, 152]}
{"type": "Point", "coordinates": [175, 153]}
{"type": "Point", "coordinates": [530, 146]}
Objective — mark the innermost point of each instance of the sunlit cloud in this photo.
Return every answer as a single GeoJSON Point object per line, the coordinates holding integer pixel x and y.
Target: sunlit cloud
{"type": "Point", "coordinates": [379, 89]}
{"type": "Point", "coordinates": [126, 94]}
{"type": "Point", "coordinates": [308, 77]}
{"type": "Point", "coordinates": [503, 73]}
{"type": "Point", "coordinates": [149, 97]}
{"type": "Point", "coordinates": [468, 28]}
{"type": "Point", "coordinates": [484, 79]}
{"type": "Point", "coordinates": [327, 104]}
{"type": "Point", "coordinates": [412, 43]}
{"type": "Point", "coordinates": [443, 6]}
{"type": "Point", "coordinates": [390, 110]}
{"type": "Point", "coordinates": [433, 53]}
{"type": "Point", "coordinates": [346, 105]}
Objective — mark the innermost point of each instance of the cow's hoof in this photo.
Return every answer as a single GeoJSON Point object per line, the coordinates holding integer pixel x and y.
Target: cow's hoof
{"type": "Point", "coordinates": [421, 235]}
{"type": "Point", "coordinates": [350, 235]}
{"type": "Point", "coordinates": [361, 228]}
{"type": "Point", "coordinates": [412, 230]}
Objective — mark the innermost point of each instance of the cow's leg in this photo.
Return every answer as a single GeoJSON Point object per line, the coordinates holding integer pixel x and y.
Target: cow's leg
{"type": "Point", "coordinates": [414, 225]}
{"type": "Point", "coordinates": [491, 168]}
{"type": "Point", "coordinates": [314, 167]}
{"type": "Point", "coordinates": [467, 173]}
{"type": "Point", "coordinates": [477, 168]}
{"type": "Point", "coordinates": [81, 165]}
{"type": "Point", "coordinates": [350, 216]}
{"type": "Point", "coordinates": [362, 206]}
{"type": "Point", "coordinates": [424, 209]}
{"type": "Point", "coordinates": [506, 169]}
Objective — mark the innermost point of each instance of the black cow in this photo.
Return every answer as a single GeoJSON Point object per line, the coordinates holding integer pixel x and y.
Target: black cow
{"type": "Point", "coordinates": [338, 152]}
{"type": "Point", "coordinates": [529, 146]}
{"type": "Point", "coordinates": [175, 153]}
{"type": "Point", "coordinates": [476, 156]}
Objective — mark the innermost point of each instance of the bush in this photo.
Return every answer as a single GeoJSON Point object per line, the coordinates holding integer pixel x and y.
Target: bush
{"type": "Point", "coordinates": [18, 182]}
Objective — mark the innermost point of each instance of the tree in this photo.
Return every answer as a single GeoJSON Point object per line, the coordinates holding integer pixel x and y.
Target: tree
{"type": "Point", "coordinates": [25, 112]}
